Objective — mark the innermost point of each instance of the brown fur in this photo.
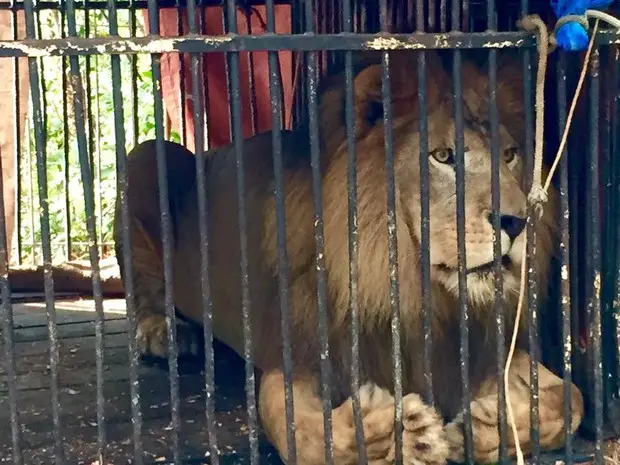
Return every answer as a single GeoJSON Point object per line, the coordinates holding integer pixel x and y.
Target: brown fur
{"type": "Point", "coordinates": [425, 440]}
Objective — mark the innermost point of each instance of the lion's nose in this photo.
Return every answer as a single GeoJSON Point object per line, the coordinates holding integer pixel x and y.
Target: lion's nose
{"type": "Point", "coordinates": [512, 225]}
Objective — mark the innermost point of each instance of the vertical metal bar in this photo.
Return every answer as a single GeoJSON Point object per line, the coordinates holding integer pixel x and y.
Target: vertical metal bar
{"type": "Point", "coordinates": [432, 14]}
{"type": "Point", "coordinates": [88, 103]}
{"type": "Point", "coordinates": [392, 243]}
{"type": "Point", "coordinates": [497, 245]}
{"type": "Point", "coordinates": [29, 157]}
{"type": "Point", "coordinates": [443, 15]}
{"type": "Point", "coordinates": [237, 137]}
{"type": "Point", "coordinates": [251, 80]}
{"type": "Point", "coordinates": [121, 163]}
{"type": "Point", "coordinates": [43, 83]}
{"type": "Point", "coordinates": [459, 147]}
{"type": "Point", "coordinates": [6, 315]}
{"type": "Point", "coordinates": [48, 281]}
{"type": "Point", "coordinates": [86, 170]}
{"type": "Point", "coordinates": [275, 91]}
{"type": "Point", "coordinates": [182, 74]}
{"type": "Point", "coordinates": [593, 249]}
{"type": "Point", "coordinates": [199, 140]}
{"type": "Point", "coordinates": [326, 369]}
{"type": "Point", "coordinates": [566, 264]}
{"type": "Point", "coordinates": [353, 239]}
{"type": "Point", "coordinates": [425, 237]}
{"type": "Point", "coordinates": [465, 15]}
{"type": "Point", "coordinates": [531, 253]}
{"type": "Point", "coordinates": [65, 126]}
{"type": "Point", "coordinates": [166, 230]}
{"type": "Point", "coordinates": [18, 138]}
{"type": "Point", "coordinates": [205, 88]}
{"type": "Point", "coordinates": [97, 147]}
{"type": "Point", "coordinates": [616, 194]}
{"type": "Point", "coordinates": [134, 75]}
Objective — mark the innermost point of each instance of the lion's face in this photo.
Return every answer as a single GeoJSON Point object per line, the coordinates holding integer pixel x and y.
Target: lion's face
{"type": "Point", "coordinates": [442, 185]}
{"type": "Point", "coordinates": [479, 232]}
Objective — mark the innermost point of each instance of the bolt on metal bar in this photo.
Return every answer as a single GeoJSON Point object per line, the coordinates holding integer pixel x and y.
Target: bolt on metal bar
{"type": "Point", "coordinates": [459, 150]}
{"type": "Point", "coordinates": [497, 234]}
{"type": "Point", "coordinates": [354, 313]}
{"type": "Point", "coordinates": [317, 198]}
{"type": "Point", "coordinates": [167, 238]}
{"type": "Point", "coordinates": [48, 280]}
{"type": "Point", "coordinates": [565, 264]}
{"type": "Point", "coordinates": [397, 373]}
{"type": "Point", "coordinates": [203, 222]}
{"type": "Point", "coordinates": [121, 166]}
{"type": "Point", "coordinates": [86, 169]}
{"type": "Point", "coordinates": [6, 316]}
{"type": "Point", "coordinates": [425, 235]}
{"type": "Point", "coordinates": [275, 92]}
{"type": "Point", "coordinates": [237, 137]}
{"type": "Point", "coordinates": [593, 251]}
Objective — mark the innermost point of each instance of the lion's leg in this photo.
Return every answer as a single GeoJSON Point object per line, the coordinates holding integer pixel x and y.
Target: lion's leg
{"type": "Point", "coordinates": [423, 441]}
{"type": "Point", "coordinates": [146, 245]}
{"type": "Point", "coordinates": [485, 414]}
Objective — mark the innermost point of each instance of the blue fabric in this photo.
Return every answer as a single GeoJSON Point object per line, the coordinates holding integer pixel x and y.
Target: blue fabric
{"type": "Point", "coordinates": [572, 36]}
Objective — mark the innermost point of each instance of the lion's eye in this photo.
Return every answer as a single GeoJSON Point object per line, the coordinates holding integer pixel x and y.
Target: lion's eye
{"type": "Point", "coordinates": [443, 155]}
{"type": "Point", "coordinates": [510, 154]}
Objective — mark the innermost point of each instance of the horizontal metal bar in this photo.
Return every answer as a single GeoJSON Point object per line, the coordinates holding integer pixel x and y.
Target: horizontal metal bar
{"type": "Point", "coordinates": [126, 4]}
{"type": "Point", "coordinates": [303, 42]}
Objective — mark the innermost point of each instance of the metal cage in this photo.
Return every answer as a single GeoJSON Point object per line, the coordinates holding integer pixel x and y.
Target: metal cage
{"type": "Point", "coordinates": [107, 406]}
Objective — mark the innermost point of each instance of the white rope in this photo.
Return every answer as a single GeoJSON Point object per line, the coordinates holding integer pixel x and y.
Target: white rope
{"type": "Point", "coordinates": [538, 192]}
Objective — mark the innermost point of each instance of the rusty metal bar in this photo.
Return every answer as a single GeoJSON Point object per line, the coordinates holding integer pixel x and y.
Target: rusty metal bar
{"type": "Point", "coordinates": [459, 150]}
{"type": "Point", "coordinates": [275, 91]}
{"type": "Point", "coordinates": [321, 278]}
{"type": "Point", "coordinates": [6, 318]}
{"type": "Point", "coordinates": [203, 221]}
{"type": "Point", "coordinates": [425, 237]}
{"type": "Point", "coordinates": [156, 44]}
{"type": "Point", "coordinates": [397, 369]}
{"type": "Point", "coordinates": [497, 235]}
{"type": "Point", "coordinates": [593, 256]}
{"type": "Point", "coordinates": [86, 169]}
{"type": "Point", "coordinates": [121, 166]}
{"type": "Point", "coordinates": [238, 141]}
{"type": "Point", "coordinates": [48, 280]}
{"type": "Point", "coordinates": [566, 264]}
{"type": "Point", "coordinates": [166, 239]}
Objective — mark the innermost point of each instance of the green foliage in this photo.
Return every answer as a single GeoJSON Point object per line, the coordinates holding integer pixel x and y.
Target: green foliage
{"type": "Point", "coordinates": [64, 182]}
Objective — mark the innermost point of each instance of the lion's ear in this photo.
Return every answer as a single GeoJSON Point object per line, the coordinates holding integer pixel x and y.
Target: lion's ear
{"type": "Point", "coordinates": [403, 86]}
{"type": "Point", "coordinates": [510, 90]}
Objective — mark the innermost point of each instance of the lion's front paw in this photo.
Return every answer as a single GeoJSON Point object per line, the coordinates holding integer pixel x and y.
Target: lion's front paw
{"type": "Point", "coordinates": [485, 438]}
{"type": "Point", "coordinates": [152, 336]}
{"type": "Point", "coordinates": [423, 441]}
{"type": "Point", "coordinates": [423, 436]}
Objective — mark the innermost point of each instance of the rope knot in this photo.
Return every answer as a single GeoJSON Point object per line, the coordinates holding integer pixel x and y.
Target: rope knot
{"type": "Point", "coordinates": [537, 197]}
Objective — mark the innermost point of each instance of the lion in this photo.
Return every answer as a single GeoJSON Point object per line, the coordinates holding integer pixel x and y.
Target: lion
{"type": "Point", "coordinates": [432, 433]}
